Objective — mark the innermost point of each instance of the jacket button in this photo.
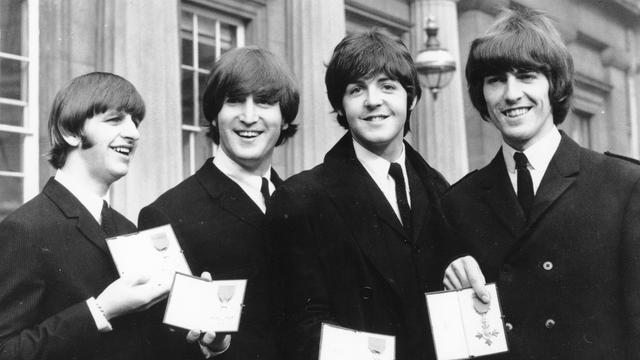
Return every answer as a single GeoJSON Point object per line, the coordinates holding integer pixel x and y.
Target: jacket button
{"type": "Point", "coordinates": [550, 323]}
{"type": "Point", "coordinates": [508, 326]}
{"type": "Point", "coordinates": [366, 292]}
{"type": "Point", "coordinates": [547, 265]}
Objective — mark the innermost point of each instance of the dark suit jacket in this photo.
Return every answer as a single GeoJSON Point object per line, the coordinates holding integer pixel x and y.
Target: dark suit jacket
{"type": "Point", "coordinates": [344, 258]}
{"type": "Point", "coordinates": [53, 257]}
{"type": "Point", "coordinates": [221, 230]}
{"type": "Point", "coordinates": [569, 278]}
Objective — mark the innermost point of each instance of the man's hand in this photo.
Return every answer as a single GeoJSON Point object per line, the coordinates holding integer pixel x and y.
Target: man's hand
{"type": "Point", "coordinates": [465, 272]}
{"type": "Point", "coordinates": [209, 343]}
{"type": "Point", "coordinates": [132, 293]}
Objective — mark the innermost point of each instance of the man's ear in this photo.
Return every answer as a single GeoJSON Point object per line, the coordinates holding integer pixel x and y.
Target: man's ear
{"type": "Point", "coordinates": [284, 126]}
{"type": "Point", "coordinates": [72, 140]}
{"type": "Point", "coordinates": [340, 112]}
{"type": "Point", "coordinates": [413, 103]}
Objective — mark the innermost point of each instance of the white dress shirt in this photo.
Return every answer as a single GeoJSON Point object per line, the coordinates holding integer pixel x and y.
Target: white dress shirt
{"type": "Point", "coordinates": [92, 202]}
{"type": "Point", "coordinates": [539, 156]}
{"type": "Point", "coordinates": [249, 183]}
{"type": "Point", "coordinates": [378, 169]}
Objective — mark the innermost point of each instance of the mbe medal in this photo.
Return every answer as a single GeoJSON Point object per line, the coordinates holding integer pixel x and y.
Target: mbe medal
{"type": "Point", "coordinates": [482, 309]}
{"type": "Point", "coordinates": [160, 241]}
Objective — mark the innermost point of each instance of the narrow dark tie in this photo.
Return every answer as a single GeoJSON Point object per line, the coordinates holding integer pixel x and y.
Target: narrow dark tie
{"type": "Point", "coordinates": [395, 170]}
{"type": "Point", "coordinates": [264, 190]}
{"type": "Point", "coordinates": [525, 184]}
{"type": "Point", "coordinates": [108, 223]}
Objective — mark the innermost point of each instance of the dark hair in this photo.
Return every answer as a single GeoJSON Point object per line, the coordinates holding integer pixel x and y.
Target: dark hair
{"type": "Point", "coordinates": [522, 39]}
{"type": "Point", "coordinates": [83, 98]}
{"type": "Point", "coordinates": [365, 55]}
{"type": "Point", "coordinates": [251, 71]}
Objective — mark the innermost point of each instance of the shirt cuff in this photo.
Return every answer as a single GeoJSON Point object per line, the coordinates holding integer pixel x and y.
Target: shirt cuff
{"type": "Point", "coordinates": [208, 353]}
{"type": "Point", "coordinates": [101, 321]}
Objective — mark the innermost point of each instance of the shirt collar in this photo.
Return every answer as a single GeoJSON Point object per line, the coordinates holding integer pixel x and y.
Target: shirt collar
{"type": "Point", "coordinates": [236, 172]}
{"type": "Point", "coordinates": [375, 164]}
{"type": "Point", "coordinates": [539, 154]}
{"type": "Point", "coordinates": [91, 201]}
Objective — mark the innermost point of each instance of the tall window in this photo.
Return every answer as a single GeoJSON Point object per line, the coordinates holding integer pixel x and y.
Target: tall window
{"type": "Point", "coordinates": [18, 103]}
{"type": "Point", "coordinates": [205, 35]}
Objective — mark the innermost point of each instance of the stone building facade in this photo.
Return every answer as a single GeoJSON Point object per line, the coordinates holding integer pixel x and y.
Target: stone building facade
{"type": "Point", "coordinates": [165, 48]}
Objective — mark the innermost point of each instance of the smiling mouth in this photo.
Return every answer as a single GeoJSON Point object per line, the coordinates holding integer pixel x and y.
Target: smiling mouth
{"type": "Point", "coordinates": [123, 150]}
{"type": "Point", "coordinates": [515, 112]}
{"type": "Point", "coordinates": [375, 117]}
{"type": "Point", "coordinates": [248, 134]}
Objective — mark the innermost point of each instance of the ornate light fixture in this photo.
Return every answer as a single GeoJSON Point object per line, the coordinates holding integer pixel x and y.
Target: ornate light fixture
{"type": "Point", "coordinates": [435, 65]}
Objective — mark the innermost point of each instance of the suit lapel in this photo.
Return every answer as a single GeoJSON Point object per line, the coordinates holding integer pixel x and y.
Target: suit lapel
{"type": "Point", "coordinates": [361, 204]}
{"type": "Point", "coordinates": [499, 195]}
{"type": "Point", "coordinates": [71, 208]}
{"type": "Point", "coordinates": [420, 202]}
{"type": "Point", "coordinates": [560, 175]}
{"type": "Point", "coordinates": [230, 195]}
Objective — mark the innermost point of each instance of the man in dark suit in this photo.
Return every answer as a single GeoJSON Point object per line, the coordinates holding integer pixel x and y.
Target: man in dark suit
{"type": "Point", "coordinates": [60, 295]}
{"type": "Point", "coordinates": [555, 225]}
{"type": "Point", "coordinates": [251, 100]}
{"type": "Point", "coordinates": [357, 237]}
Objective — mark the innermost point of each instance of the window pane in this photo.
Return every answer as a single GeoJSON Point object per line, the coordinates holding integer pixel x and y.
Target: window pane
{"type": "Point", "coordinates": [11, 115]}
{"type": "Point", "coordinates": [10, 151]}
{"type": "Point", "coordinates": [186, 37]}
{"type": "Point", "coordinates": [228, 38]}
{"type": "Point", "coordinates": [206, 42]}
{"type": "Point", "coordinates": [202, 85]}
{"type": "Point", "coordinates": [10, 195]}
{"type": "Point", "coordinates": [204, 148]}
{"type": "Point", "coordinates": [187, 97]}
{"type": "Point", "coordinates": [13, 84]}
{"type": "Point", "coordinates": [187, 50]}
{"type": "Point", "coordinates": [186, 154]}
{"type": "Point", "coordinates": [12, 28]}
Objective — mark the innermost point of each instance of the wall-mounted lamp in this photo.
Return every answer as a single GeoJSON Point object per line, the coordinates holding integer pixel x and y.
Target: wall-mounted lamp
{"type": "Point", "coordinates": [435, 65]}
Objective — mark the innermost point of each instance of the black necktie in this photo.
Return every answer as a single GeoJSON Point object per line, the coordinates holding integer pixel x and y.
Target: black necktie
{"type": "Point", "coordinates": [395, 170]}
{"type": "Point", "coordinates": [108, 223]}
{"type": "Point", "coordinates": [264, 190]}
{"type": "Point", "coordinates": [525, 184]}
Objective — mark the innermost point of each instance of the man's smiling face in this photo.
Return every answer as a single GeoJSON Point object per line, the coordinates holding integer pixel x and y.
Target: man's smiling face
{"type": "Point", "coordinates": [518, 106]}
{"type": "Point", "coordinates": [249, 129]}
{"type": "Point", "coordinates": [106, 145]}
{"type": "Point", "coordinates": [376, 110]}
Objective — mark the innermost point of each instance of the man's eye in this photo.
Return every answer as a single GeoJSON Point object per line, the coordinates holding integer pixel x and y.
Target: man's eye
{"type": "Point", "coordinates": [355, 90]}
{"type": "Point", "coordinates": [232, 100]}
{"type": "Point", "coordinates": [492, 79]}
{"type": "Point", "coordinates": [389, 87]}
{"type": "Point", "coordinates": [528, 76]}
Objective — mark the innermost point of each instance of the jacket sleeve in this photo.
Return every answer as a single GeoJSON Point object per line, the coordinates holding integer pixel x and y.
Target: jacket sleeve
{"type": "Point", "coordinates": [630, 270]}
{"type": "Point", "coordinates": [26, 332]}
{"type": "Point", "coordinates": [303, 288]}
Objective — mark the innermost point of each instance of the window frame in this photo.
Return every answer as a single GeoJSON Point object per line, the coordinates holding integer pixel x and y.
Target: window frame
{"type": "Point", "coordinates": [29, 131]}
{"type": "Point", "coordinates": [192, 128]}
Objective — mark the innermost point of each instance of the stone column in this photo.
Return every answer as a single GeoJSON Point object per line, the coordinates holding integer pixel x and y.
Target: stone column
{"type": "Point", "coordinates": [314, 28]}
{"type": "Point", "coordinates": [438, 127]}
{"type": "Point", "coordinates": [145, 50]}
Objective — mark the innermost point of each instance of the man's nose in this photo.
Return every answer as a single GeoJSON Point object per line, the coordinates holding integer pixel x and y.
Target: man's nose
{"type": "Point", "coordinates": [513, 89]}
{"type": "Point", "coordinates": [130, 130]}
{"type": "Point", "coordinates": [373, 98]}
{"type": "Point", "coordinates": [249, 114]}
